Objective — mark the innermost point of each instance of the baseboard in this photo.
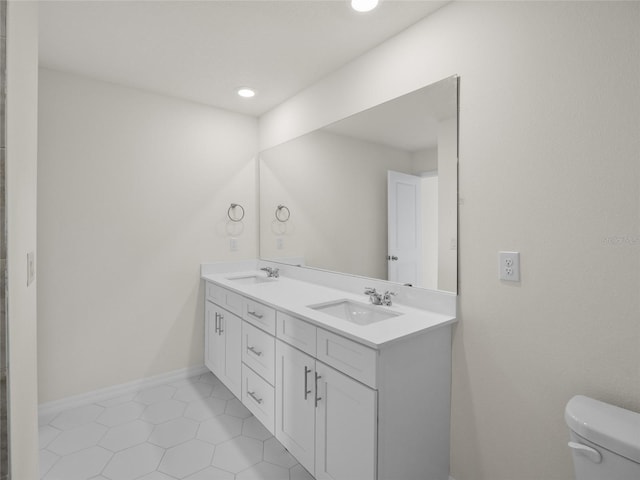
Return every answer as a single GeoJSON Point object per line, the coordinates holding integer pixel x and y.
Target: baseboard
{"type": "Point", "coordinates": [52, 408]}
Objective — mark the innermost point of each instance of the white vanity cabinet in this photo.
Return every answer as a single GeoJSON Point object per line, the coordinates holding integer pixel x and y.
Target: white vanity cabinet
{"type": "Point", "coordinates": [345, 410]}
{"type": "Point", "coordinates": [324, 418]}
{"type": "Point", "coordinates": [222, 346]}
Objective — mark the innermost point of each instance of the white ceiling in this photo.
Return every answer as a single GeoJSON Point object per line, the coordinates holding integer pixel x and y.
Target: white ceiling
{"type": "Point", "coordinates": [204, 50]}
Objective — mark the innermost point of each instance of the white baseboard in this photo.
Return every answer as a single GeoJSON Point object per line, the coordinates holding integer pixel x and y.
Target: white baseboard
{"type": "Point", "coordinates": [52, 408]}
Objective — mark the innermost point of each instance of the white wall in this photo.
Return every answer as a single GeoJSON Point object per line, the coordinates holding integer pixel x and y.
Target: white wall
{"type": "Point", "coordinates": [22, 111]}
{"type": "Point", "coordinates": [549, 118]}
{"type": "Point", "coordinates": [316, 176]}
{"type": "Point", "coordinates": [133, 196]}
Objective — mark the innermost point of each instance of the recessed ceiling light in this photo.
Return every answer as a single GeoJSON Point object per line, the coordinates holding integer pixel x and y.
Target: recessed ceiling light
{"type": "Point", "coordinates": [246, 92]}
{"type": "Point", "coordinates": [364, 5]}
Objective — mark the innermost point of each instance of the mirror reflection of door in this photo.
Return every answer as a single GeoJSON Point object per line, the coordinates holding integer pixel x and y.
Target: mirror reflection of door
{"type": "Point", "coordinates": [413, 228]}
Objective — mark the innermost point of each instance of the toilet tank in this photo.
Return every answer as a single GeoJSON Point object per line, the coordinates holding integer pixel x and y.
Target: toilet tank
{"type": "Point", "coordinates": [604, 440]}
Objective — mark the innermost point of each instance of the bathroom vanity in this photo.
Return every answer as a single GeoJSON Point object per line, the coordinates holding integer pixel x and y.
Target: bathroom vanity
{"type": "Point", "coordinates": [353, 391]}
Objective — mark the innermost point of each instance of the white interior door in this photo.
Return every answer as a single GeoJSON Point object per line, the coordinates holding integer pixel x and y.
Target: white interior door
{"type": "Point", "coordinates": [404, 228]}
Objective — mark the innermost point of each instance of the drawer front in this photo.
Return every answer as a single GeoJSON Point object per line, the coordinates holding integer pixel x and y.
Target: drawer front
{"type": "Point", "coordinates": [347, 356]}
{"type": "Point", "coordinates": [296, 332]}
{"type": "Point", "coordinates": [214, 293]}
{"type": "Point", "coordinates": [225, 298]}
{"type": "Point", "coordinates": [259, 351]}
{"type": "Point", "coordinates": [258, 396]}
{"type": "Point", "coordinates": [259, 315]}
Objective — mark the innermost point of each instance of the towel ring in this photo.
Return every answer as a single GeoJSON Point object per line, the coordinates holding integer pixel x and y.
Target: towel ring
{"type": "Point", "coordinates": [233, 207]}
{"type": "Point", "coordinates": [280, 216]}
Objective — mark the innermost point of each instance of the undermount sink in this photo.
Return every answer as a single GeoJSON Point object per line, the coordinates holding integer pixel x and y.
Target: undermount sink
{"type": "Point", "coordinates": [355, 312]}
{"type": "Point", "coordinates": [251, 279]}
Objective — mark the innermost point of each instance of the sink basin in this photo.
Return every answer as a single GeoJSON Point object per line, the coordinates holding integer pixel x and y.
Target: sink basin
{"type": "Point", "coordinates": [251, 279]}
{"type": "Point", "coordinates": [355, 312]}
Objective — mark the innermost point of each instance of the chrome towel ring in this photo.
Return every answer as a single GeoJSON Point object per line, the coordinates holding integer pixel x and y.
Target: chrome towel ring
{"type": "Point", "coordinates": [233, 207]}
{"type": "Point", "coordinates": [282, 213]}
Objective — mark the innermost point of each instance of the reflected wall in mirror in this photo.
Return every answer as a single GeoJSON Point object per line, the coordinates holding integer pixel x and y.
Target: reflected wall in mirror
{"type": "Point", "coordinates": [373, 195]}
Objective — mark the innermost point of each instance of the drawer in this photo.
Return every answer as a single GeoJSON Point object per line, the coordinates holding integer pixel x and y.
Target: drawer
{"type": "Point", "coordinates": [225, 298]}
{"type": "Point", "coordinates": [259, 315]}
{"type": "Point", "coordinates": [347, 356]}
{"type": "Point", "coordinates": [258, 396]}
{"type": "Point", "coordinates": [296, 332]}
{"type": "Point", "coordinates": [214, 292]}
{"type": "Point", "coordinates": [259, 351]}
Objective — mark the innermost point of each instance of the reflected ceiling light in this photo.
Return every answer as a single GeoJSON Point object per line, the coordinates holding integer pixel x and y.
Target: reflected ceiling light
{"type": "Point", "coordinates": [364, 5]}
{"type": "Point", "coordinates": [246, 92]}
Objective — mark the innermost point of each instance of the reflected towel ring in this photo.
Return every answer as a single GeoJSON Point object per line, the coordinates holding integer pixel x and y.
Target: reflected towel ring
{"type": "Point", "coordinates": [233, 207]}
{"type": "Point", "coordinates": [280, 216]}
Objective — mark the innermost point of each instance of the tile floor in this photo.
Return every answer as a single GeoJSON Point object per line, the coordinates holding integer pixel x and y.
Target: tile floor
{"type": "Point", "coordinates": [194, 429]}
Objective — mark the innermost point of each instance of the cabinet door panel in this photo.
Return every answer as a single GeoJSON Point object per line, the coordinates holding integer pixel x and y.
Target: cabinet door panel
{"type": "Point", "coordinates": [214, 342]}
{"type": "Point", "coordinates": [231, 332]}
{"type": "Point", "coordinates": [345, 427]}
{"type": "Point", "coordinates": [295, 414]}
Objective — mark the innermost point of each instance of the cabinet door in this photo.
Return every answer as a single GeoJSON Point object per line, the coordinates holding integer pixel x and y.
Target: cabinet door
{"type": "Point", "coordinates": [230, 329]}
{"type": "Point", "coordinates": [346, 422]}
{"type": "Point", "coordinates": [214, 349]}
{"type": "Point", "coordinates": [295, 403]}
{"type": "Point", "coordinates": [223, 346]}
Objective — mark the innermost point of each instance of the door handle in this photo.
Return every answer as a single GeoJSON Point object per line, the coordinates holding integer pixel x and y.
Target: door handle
{"type": "Point", "coordinates": [392, 257]}
{"type": "Point", "coordinates": [255, 397]}
{"type": "Point", "coordinates": [215, 323]}
{"type": "Point", "coordinates": [307, 371]}
{"type": "Point", "coordinates": [318, 377]}
{"type": "Point", "coordinates": [220, 331]}
{"type": "Point", "coordinates": [253, 350]}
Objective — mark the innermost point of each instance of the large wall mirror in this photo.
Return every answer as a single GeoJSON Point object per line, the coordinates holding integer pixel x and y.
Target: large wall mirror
{"type": "Point", "coordinates": [374, 195]}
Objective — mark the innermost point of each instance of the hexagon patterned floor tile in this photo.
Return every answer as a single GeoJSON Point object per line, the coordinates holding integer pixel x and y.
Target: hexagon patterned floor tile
{"type": "Point", "coordinates": [191, 429]}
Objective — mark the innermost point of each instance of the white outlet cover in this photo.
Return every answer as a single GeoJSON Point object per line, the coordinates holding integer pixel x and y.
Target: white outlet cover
{"type": "Point", "coordinates": [509, 266]}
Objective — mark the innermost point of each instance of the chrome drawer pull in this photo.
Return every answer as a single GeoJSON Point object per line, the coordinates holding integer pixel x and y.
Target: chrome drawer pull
{"type": "Point", "coordinates": [254, 314]}
{"type": "Point", "coordinates": [255, 398]}
{"type": "Point", "coordinates": [215, 324]}
{"type": "Point", "coordinates": [307, 371]}
{"type": "Point", "coordinates": [253, 350]}
{"type": "Point", "coordinates": [318, 377]}
{"type": "Point", "coordinates": [220, 331]}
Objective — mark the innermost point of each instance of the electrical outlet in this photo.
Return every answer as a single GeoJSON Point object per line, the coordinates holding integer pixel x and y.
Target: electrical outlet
{"type": "Point", "coordinates": [509, 266]}
{"type": "Point", "coordinates": [233, 244]}
{"type": "Point", "coordinates": [279, 243]}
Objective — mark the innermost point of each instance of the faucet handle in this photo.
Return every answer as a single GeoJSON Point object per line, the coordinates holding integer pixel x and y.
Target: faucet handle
{"type": "Point", "coordinates": [386, 298]}
{"type": "Point", "coordinates": [369, 291]}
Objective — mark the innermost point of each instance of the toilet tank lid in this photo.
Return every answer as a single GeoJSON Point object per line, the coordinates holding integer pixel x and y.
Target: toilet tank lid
{"type": "Point", "coordinates": [611, 427]}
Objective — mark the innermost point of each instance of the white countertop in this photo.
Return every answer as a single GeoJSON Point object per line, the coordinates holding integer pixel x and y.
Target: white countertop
{"type": "Point", "coordinates": [293, 296]}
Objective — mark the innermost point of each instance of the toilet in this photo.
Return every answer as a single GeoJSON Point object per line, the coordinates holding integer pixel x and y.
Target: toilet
{"type": "Point", "coordinates": [604, 440]}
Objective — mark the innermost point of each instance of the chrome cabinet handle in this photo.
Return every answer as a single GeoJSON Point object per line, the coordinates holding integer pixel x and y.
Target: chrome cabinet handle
{"type": "Point", "coordinates": [253, 350]}
{"type": "Point", "coordinates": [307, 371]}
{"type": "Point", "coordinates": [318, 377]}
{"type": "Point", "coordinates": [254, 314]}
{"type": "Point", "coordinates": [220, 331]}
{"type": "Point", "coordinates": [255, 398]}
{"type": "Point", "coordinates": [215, 324]}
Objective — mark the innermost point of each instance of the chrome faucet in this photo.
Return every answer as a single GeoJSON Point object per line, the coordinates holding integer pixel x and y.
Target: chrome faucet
{"type": "Point", "coordinates": [271, 272]}
{"type": "Point", "coordinates": [374, 297]}
{"type": "Point", "coordinates": [379, 298]}
{"type": "Point", "coordinates": [386, 298]}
